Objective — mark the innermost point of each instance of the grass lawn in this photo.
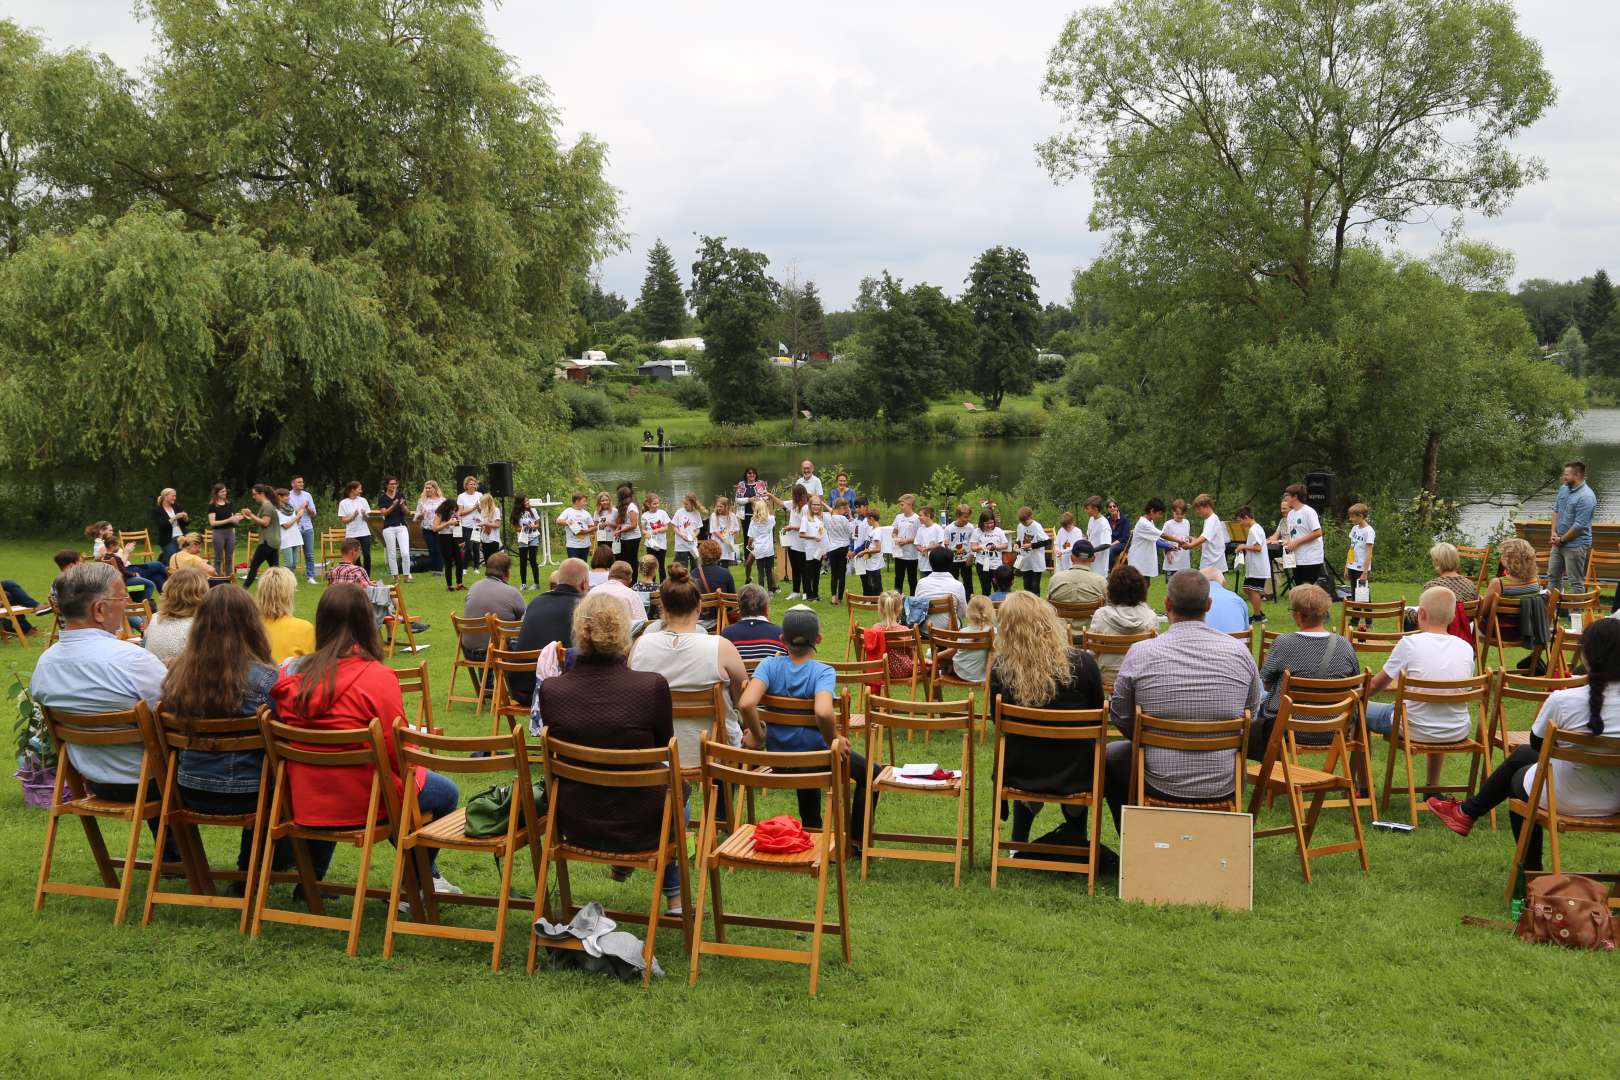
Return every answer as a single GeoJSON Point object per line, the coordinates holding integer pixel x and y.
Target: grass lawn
{"type": "Point", "coordinates": [1354, 975]}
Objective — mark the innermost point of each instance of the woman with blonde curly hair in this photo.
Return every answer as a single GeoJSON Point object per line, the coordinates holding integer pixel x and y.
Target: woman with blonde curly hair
{"type": "Point", "coordinates": [1036, 667]}
{"type": "Point", "coordinates": [170, 628]}
{"type": "Point", "coordinates": [1518, 580]}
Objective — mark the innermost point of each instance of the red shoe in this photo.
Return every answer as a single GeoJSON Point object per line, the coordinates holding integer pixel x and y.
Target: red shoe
{"type": "Point", "coordinates": [1452, 814]}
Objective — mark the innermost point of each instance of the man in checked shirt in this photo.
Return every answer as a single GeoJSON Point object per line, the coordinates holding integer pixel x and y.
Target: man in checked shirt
{"type": "Point", "coordinates": [1189, 672]}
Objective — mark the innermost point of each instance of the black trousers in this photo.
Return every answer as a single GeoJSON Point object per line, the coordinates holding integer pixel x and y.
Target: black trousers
{"type": "Point", "coordinates": [450, 555]}
{"type": "Point", "coordinates": [766, 565]}
{"type": "Point", "coordinates": [1032, 581]}
{"type": "Point", "coordinates": [810, 800]}
{"type": "Point", "coordinates": [964, 570]}
{"type": "Point", "coordinates": [660, 554]}
{"type": "Point", "coordinates": [365, 553]}
{"type": "Point", "coordinates": [796, 571]}
{"type": "Point", "coordinates": [810, 571]}
{"type": "Point", "coordinates": [986, 586]}
{"type": "Point", "coordinates": [630, 552]}
{"type": "Point", "coordinates": [528, 559]}
{"type": "Point", "coordinates": [872, 583]}
{"type": "Point", "coordinates": [905, 570]}
{"type": "Point", "coordinates": [1507, 782]}
{"type": "Point", "coordinates": [470, 549]}
{"type": "Point", "coordinates": [837, 570]}
{"type": "Point", "coordinates": [262, 555]}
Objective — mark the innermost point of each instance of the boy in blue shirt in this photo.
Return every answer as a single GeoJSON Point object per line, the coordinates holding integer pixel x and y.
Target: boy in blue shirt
{"type": "Point", "coordinates": [800, 675]}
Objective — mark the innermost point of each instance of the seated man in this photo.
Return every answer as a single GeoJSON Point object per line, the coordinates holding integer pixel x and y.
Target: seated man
{"type": "Point", "coordinates": [799, 674]}
{"type": "Point", "coordinates": [755, 636]}
{"type": "Point", "coordinates": [1190, 672]}
{"type": "Point", "coordinates": [90, 670]}
{"type": "Point", "coordinates": [1432, 653]}
{"type": "Point", "coordinates": [1080, 583]}
{"type": "Point", "coordinates": [941, 581]}
{"type": "Point", "coordinates": [348, 571]}
{"type": "Point", "coordinates": [617, 586]}
{"type": "Point", "coordinates": [549, 617]}
{"type": "Point", "coordinates": [1228, 612]}
{"type": "Point", "coordinates": [493, 594]}
{"type": "Point", "coordinates": [17, 597]}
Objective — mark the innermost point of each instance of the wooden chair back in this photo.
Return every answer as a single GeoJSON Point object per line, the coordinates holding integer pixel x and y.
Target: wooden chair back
{"type": "Point", "coordinates": [941, 605]}
{"type": "Point", "coordinates": [906, 640]}
{"type": "Point", "coordinates": [1515, 686]}
{"type": "Point", "coordinates": [728, 613]}
{"type": "Point", "coordinates": [1194, 736]}
{"type": "Point", "coordinates": [1578, 749]}
{"type": "Point", "coordinates": [885, 714]}
{"type": "Point", "coordinates": [1072, 613]}
{"type": "Point", "coordinates": [414, 680]}
{"type": "Point", "coordinates": [1301, 723]}
{"type": "Point", "coordinates": [1465, 692]}
{"type": "Point", "coordinates": [504, 663]}
{"type": "Point", "coordinates": [1565, 652]}
{"type": "Point", "coordinates": [1376, 642]}
{"type": "Point", "coordinates": [700, 706]}
{"type": "Point", "coordinates": [477, 670]}
{"type": "Point", "coordinates": [1583, 604]}
{"type": "Point", "coordinates": [1058, 727]}
{"type": "Point", "coordinates": [506, 631]}
{"type": "Point", "coordinates": [856, 681]}
{"type": "Point", "coordinates": [1602, 568]}
{"type": "Point", "coordinates": [1100, 645]}
{"type": "Point", "coordinates": [331, 544]}
{"type": "Point", "coordinates": [1266, 638]}
{"type": "Point", "coordinates": [1352, 611]}
{"type": "Point", "coordinates": [142, 539]}
{"type": "Point", "coordinates": [1482, 555]}
{"type": "Point", "coordinates": [400, 617]}
{"type": "Point", "coordinates": [855, 605]}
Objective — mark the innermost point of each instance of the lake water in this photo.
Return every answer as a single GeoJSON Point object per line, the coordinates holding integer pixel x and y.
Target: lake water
{"type": "Point", "coordinates": [894, 468]}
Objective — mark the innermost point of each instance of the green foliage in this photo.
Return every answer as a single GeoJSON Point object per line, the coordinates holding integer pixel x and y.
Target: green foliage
{"type": "Point", "coordinates": [1009, 424]}
{"type": "Point", "coordinates": [1572, 351]}
{"type": "Point", "coordinates": [910, 345]}
{"type": "Point", "coordinates": [1083, 376]}
{"type": "Point", "coordinates": [735, 299]}
{"type": "Point", "coordinates": [33, 740]}
{"type": "Point", "coordinates": [1603, 353]}
{"type": "Point", "coordinates": [1595, 310]}
{"type": "Point", "coordinates": [662, 306]}
{"type": "Point", "coordinates": [586, 408]}
{"type": "Point", "coordinates": [1002, 302]}
{"type": "Point", "coordinates": [1550, 306]}
{"type": "Point", "coordinates": [546, 459]}
{"type": "Point", "coordinates": [943, 488]}
{"type": "Point", "coordinates": [689, 393]}
{"type": "Point", "coordinates": [843, 392]}
{"type": "Point", "coordinates": [365, 204]}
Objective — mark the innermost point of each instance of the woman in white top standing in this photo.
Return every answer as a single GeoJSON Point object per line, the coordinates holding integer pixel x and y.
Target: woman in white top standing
{"type": "Point", "coordinates": [471, 531]}
{"type": "Point", "coordinates": [352, 511]}
{"type": "Point", "coordinates": [723, 529]}
{"type": "Point", "coordinates": [686, 524]}
{"type": "Point", "coordinates": [1582, 790]}
{"type": "Point", "coordinates": [426, 514]}
{"type": "Point", "coordinates": [627, 529]}
{"type": "Point", "coordinates": [607, 519]}
{"type": "Point", "coordinates": [813, 541]}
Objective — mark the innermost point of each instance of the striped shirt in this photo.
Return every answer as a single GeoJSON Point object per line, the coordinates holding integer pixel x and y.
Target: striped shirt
{"type": "Point", "coordinates": [755, 637]}
{"type": "Point", "coordinates": [1189, 672]}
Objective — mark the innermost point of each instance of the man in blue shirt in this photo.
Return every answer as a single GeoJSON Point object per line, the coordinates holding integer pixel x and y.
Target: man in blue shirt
{"type": "Point", "coordinates": [800, 675]}
{"type": "Point", "coordinates": [1228, 612]}
{"type": "Point", "coordinates": [1572, 529]}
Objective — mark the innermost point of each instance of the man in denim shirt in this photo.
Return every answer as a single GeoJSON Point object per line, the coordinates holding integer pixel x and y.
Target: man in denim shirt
{"type": "Point", "coordinates": [1572, 529]}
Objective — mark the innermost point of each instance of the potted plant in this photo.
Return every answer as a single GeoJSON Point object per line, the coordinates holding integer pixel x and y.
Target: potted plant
{"type": "Point", "coordinates": [36, 753]}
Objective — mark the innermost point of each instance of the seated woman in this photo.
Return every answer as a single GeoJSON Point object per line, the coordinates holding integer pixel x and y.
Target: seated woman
{"type": "Point", "coordinates": [689, 659]}
{"type": "Point", "coordinates": [344, 685]}
{"type": "Point", "coordinates": [171, 627]}
{"type": "Point", "coordinates": [1124, 611]}
{"type": "Point", "coordinates": [1519, 579]}
{"type": "Point", "coordinates": [602, 560]}
{"type": "Point", "coordinates": [188, 552]}
{"type": "Point", "coordinates": [1449, 575]}
{"type": "Point", "coordinates": [146, 578]}
{"type": "Point", "coordinates": [710, 575]}
{"type": "Point", "coordinates": [289, 636]}
{"type": "Point", "coordinates": [1312, 652]}
{"type": "Point", "coordinates": [223, 671]}
{"type": "Point", "coordinates": [603, 702]}
{"type": "Point", "coordinates": [1582, 790]}
{"type": "Point", "coordinates": [1035, 667]}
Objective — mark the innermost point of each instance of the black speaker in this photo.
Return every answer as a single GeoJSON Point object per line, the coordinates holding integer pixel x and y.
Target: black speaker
{"type": "Point", "coordinates": [500, 479]}
{"type": "Point", "coordinates": [462, 472]}
{"type": "Point", "coordinates": [1319, 490]}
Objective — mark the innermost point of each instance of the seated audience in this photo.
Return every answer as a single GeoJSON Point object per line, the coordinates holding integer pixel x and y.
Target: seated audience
{"type": "Point", "coordinates": [348, 569]}
{"type": "Point", "coordinates": [1449, 575]}
{"type": "Point", "coordinates": [1228, 612]}
{"type": "Point", "coordinates": [603, 702]}
{"type": "Point", "coordinates": [1189, 672]}
{"type": "Point", "coordinates": [602, 561]}
{"type": "Point", "coordinates": [549, 617]}
{"type": "Point", "coordinates": [169, 629]}
{"type": "Point", "coordinates": [289, 636]}
{"type": "Point", "coordinates": [690, 659]}
{"type": "Point", "coordinates": [1036, 667]}
{"type": "Point", "coordinates": [1080, 583]}
{"type": "Point", "coordinates": [1126, 612]}
{"type": "Point", "coordinates": [1581, 790]}
{"type": "Point", "coordinates": [618, 587]}
{"type": "Point", "coordinates": [188, 553]}
{"type": "Point", "coordinates": [800, 675]}
{"type": "Point", "coordinates": [1001, 583]}
{"type": "Point", "coordinates": [1311, 652]}
{"type": "Point", "coordinates": [941, 581]}
{"type": "Point", "coordinates": [754, 635]}
{"type": "Point", "coordinates": [968, 664]}
{"type": "Point", "coordinates": [17, 597]}
{"type": "Point", "coordinates": [224, 671]}
{"type": "Point", "coordinates": [146, 578]}
{"type": "Point", "coordinates": [710, 576]}
{"type": "Point", "coordinates": [492, 594]}
{"type": "Point", "coordinates": [1520, 580]}
{"type": "Point", "coordinates": [344, 685]}
{"type": "Point", "coordinates": [1432, 653]}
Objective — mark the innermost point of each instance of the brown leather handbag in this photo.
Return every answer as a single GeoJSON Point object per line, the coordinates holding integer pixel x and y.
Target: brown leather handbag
{"type": "Point", "coordinates": [1567, 910]}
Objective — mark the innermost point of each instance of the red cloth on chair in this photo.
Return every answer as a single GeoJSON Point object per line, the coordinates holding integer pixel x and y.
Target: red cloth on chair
{"type": "Point", "coordinates": [1461, 627]}
{"type": "Point", "coordinates": [781, 835]}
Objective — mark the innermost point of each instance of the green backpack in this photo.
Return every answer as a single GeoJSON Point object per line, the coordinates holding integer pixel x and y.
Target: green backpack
{"type": "Point", "coordinates": [489, 810]}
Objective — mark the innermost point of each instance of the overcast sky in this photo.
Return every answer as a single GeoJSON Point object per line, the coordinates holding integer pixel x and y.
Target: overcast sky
{"type": "Point", "coordinates": [843, 139]}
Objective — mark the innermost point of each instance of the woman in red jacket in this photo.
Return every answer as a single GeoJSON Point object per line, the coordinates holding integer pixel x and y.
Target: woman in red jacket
{"type": "Point", "coordinates": [344, 684]}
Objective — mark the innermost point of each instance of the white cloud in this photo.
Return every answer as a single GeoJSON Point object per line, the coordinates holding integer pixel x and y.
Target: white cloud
{"type": "Point", "coordinates": [847, 138]}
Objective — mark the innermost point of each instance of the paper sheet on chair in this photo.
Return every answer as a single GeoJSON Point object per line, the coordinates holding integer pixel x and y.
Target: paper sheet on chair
{"type": "Point", "coordinates": [923, 776]}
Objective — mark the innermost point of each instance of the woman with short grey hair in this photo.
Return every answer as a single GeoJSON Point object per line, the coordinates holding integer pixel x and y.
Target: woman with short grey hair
{"type": "Point", "coordinates": [1448, 565]}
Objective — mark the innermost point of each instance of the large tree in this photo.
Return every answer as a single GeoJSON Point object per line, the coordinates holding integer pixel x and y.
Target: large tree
{"type": "Point", "coordinates": [735, 299]}
{"type": "Point", "coordinates": [1252, 140]}
{"type": "Point", "coordinates": [1596, 307]}
{"type": "Point", "coordinates": [328, 233]}
{"type": "Point", "coordinates": [662, 306]}
{"type": "Point", "coordinates": [1002, 301]}
{"type": "Point", "coordinates": [910, 344]}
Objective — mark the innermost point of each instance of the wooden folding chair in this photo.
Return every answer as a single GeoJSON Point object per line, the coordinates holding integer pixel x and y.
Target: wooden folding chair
{"type": "Point", "coordinates": [420, 835]}
{"type": "Point", "coordinates": [1280, 770]}
{"type": "Point", "coordinates": [506, 631]}
{"type": "Point", "coordinates": [137, 617]}
{"type": "Point", "coordinates": [1499, 630]}
{"type": "Point", "coordinates": [944, 717]}
{"type": "Point", "coordinates": [1602, 568]}
{"type": "Point", "coordinates": [12, 618]}
{"type": "Point", "coordinates": [1077, 617]}
{"type": "Point", "coordinates": [332, 544]}
{"type": "Point", "coordinates": [939, 678]}
{"type": "Point", "coordinates": [726, 609]}
{"type": "Point", "coordinates": [1513, 686]}
{"type": "Point", "coordinates": [1356, 739]}
{"type": "Point", "coordinates": [941, 605]}
{"type": "Point", "coordinates": [224, 735]}
{"type": "Point", "coordinates": [1245, 636]}
{"type": "Point", "coordinates": [477, 670]}
{"type": "Point", "coordinates": [660, 767]}
{"type": "Point", "coordinates": [820, 770]}
{"type": "Point", "coordinates": [1195, 736]}
{"type": "Point", "coordinates": [142, 541]}
{"type": "Point", "coordinates": [503, 664]}
{"type": "Point", "coordinates": [414, 680]}
{"type": "Point", "coordinates": [71, 796]}
{"type": "Point", "coordinates": [1465, 692]}
{"type": "Point", "coordinates": [327, 748]}
{"type": "Point", "coordinates": [1100, 645]}
{"type": "Point", "coordinates": [1353, 612]}
{"type": "Point", "coordinates": [707, 708]}
{"type": "Point", "coordinates": [1564, 655]}
{"type": "Point", "coordinates": [1577, 749]}
{"type": "Point", "coordinates": [855, 604]}
{"type": "Point", "coordinates": [1482, 573]}
{"type": "Point", "coordinates": [1376, 642]}
{"type": "Point", "coordinates": [909, 640]}
{"type": "Point", "coordinates": [1576, 610]}
{"type": "Point", "coordinates": [400, 617]}
{"type": "Point", "coordinates": [709, 611]}
{"type": "Point", "coordinates": [1266, 638]}
{"type": "Point", "coordinates": [1058, 726]}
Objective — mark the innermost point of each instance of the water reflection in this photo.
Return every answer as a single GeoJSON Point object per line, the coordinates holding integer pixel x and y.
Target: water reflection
{"type": "Point", "coordinates": [1599, 448]}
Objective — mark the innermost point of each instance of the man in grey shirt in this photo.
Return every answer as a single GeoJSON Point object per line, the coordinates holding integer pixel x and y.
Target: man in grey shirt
{"type": "Point", "coordinates": [494, 595]}
{"type": "Point", "coordinates": [1190, 672]}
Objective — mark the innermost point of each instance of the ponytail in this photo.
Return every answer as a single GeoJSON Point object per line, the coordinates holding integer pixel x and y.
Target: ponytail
{"type": "Point", "coordinates": [1600, 646]}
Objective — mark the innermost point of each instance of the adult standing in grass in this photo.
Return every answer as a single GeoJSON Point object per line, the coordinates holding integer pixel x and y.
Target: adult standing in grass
{"type": "Point", "coordinates": [396, 535]}
{"type": "Point", "coordinates": [302, 502]}
{"type": "Point", "coordinates": [269, 523]}
{"type": "Point", "coordinates": [447, 533]}
{"type": "Point", "coordinates": [168, 524]}
{"type": "Point", "coordinates": [222, 520]}
{"type": "Point", "coordinates": [749, 488]}
{"type": "Point", "coordinates": [471, 525]}
{"type": "Point", "coordinates": [354, 512]}
{"type": "Point", "coordinates": [1571, 536]}
{"type": "Point", "coordinates": [426, 513]}
{"type": "Point", "coordinates": [807, 478]}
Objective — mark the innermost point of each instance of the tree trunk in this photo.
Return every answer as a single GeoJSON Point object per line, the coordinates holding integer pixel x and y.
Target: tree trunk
{"type": "Point", "coordinates": [793, 417]}
{"type": "Point", "coordinates": [1431, 464]}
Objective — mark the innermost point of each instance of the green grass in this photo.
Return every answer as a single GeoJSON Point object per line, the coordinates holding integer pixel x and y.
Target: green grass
{"type": "Point", "coordinates": [1350, 976]}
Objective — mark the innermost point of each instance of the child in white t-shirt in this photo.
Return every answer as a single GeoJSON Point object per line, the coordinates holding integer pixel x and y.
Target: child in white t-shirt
{"type": "Point", "coordinates": [762, 543]}
{"type": "Point", "coordinates": [577, 524]}
{"type": "Point", "coordinates": [686, 524]}
{"type": "Point", "coordinates": [1256, 561]}
{"type": "Point", "coordinates": [987, 545]}
{"type": "Point", "coordinates": [905, 526]}
{"type": "Point", "coordinates": [1032, 543]}
{"type": "Point", "coordinates": [813, 542]}
{"type": "Point", "coordinates": [868, 547]}
{"type": "Point", "coordinates": [930, 534]}
{"type": "Point", "coordinates": [655, 523]}
{"type": "Point", "coordinates": [840, 532]}
{"type": "Point", "coordinates": [1212, 540]}
{"type": "Point", "coordinates": [1068, 532]}
{"type": "Point", "coordinates": [1359, 566]}
{"type": "Point", "coordinates": [959, 539]}
{"type": "Point", "coordinates": [1178, 530]}
{"type": "Point", "coordinates": [1099, 532]}
{"type": "Point", "coordinates": [723, 529]}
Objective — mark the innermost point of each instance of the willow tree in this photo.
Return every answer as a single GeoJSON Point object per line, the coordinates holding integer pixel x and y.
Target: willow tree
{"type": "Point", "coordinates": [358, 232]}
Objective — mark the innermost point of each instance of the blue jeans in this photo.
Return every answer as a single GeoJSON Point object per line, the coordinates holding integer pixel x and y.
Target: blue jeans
{"type": "Point", "coordinates": [155, 572]}
{"type": "Point", "coordinates": [307, 528]}
{"type": "Point", "coordinates": [1380, 717]}
{"type": "Point", "coordinates": [149, 589]}
{"type": "Point", "coordinates": [237, 802]}
{"type": "Point", "coordinates": [17, 596]}
{"type": "Point", "coordinates": [438, 797]}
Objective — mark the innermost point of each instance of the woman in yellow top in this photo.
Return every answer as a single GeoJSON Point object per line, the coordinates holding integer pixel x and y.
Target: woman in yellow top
{"type": "Point", "coordinates": [289, 636]}
{"type": "Point", "coordinates": [190, 554]}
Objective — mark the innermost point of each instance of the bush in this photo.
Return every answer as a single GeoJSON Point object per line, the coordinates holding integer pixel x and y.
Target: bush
{"type": "Point", "coordinates": [1083, 376]}
{"type": "Point", "coordinates": [689, 393]}
{"type": "Point", "coordinates": [1010, 424]}
{"type": "Point", "coordinates": [840, 395]}
{"type": "Point", "coordinates": [627, 414]}
{"type": "Point", "coordinates": [586, 408]}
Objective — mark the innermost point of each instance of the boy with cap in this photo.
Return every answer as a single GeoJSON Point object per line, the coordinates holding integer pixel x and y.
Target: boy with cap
{"type": "Point", "coordinates": [1080, 584]}
{"type": "Point", "coordinates": [800, 675]}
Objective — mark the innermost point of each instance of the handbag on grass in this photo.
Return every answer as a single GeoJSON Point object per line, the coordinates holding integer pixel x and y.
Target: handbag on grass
{"type": "Point", "coordinates": [489, 810]}
{"type": "Point", "coordinates": [1568, 910]}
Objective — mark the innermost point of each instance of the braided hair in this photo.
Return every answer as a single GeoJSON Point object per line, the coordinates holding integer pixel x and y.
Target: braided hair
{"type": "Point", "coordinates": [1600, 645]}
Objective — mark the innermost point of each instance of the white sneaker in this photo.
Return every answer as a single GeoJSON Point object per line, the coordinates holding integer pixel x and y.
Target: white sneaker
{"type": "Point", "coordinates": [443, 885]}
{"type": "Point", "coordinates": [311, 581]}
